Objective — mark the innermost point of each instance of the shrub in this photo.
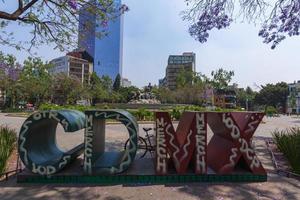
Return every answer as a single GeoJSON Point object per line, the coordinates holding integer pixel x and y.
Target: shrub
{"type": "Point", "coordinates": [288, 142]}
{"type": "Point", "coordinates": [142, 114]}
{"type": "Point", "coordinates": [270, 111]}
{"type": "Point", "coordinates": [8, 139]}
{"type": "Point", "coordinates": [176, 113]}
{"type": "Point", "coordinates": [47, 106]}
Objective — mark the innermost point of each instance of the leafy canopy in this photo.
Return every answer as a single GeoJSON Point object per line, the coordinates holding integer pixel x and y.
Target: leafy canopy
{"type": "Point", "coordinates": [54, 21]}
{"type": "Point", "coordinates": [279, 19]}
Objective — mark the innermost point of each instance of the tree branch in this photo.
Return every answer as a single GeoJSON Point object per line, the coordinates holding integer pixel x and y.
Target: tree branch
{"type": "Point", "coordinates": [20, 4]}
{"type": "Point", "coordinates": [16, 14]}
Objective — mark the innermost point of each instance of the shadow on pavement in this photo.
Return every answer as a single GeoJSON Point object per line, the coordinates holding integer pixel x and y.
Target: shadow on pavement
{"type": "Point", "coordinates": [277, 187]}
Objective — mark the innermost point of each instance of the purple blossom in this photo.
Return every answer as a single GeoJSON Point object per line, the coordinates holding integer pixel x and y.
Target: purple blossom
{"type": "Point", "coordinates": [284, 23]}
{"type": "Point", "coordinates": [104, 23]}
{"type": "Point", "coordinates": [213, 17]}
{"type": "Point", "coordinates": [12, 72]}
{"type": "Point", "coordinates": [73, 4]}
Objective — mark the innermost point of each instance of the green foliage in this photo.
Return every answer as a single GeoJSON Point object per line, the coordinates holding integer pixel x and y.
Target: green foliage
{"type": "Point", "coordinates": [97, 89]}
{"type": "Point", "coordinates": [288, 142]}
{"type": "Point", "coordinates": [164, 95]}
{"type": "Point", "coordinates": [142, 114]}
{"type": "Point", "coordinates": [101, 90]}
{"type": "Point", "coordinates": [270, 111]}
{"type": "Point", "coordinates": [221, 78]}
{"type": "Point", "coordinates": [53, 22]}
{"type": "Point", "coordinates": [117, 83]}
{"type": "Point", "coordinates": [273, 95]}
{"type": "Point", "coordinates": [8, 139]}
{"type": "Point", "coordinates": [190, 87]}
{"type": "Point", "coordinates": [35, 81]}
{"type": "Point", "coordinates": [176, 113]}
{"type": "Point", "coordinates": [47, 106]}
{"type": "Point", "coordinates": [185, 78]}
{"type": "Point", "coordinates": [184, 95]}
{"type": "Point", "coordinates": [66, 89]}
{"type": "Point", "coordinates": [9, 73]}
{"type": "Point", "coordinates": [127, 93]}
{"type": "Point", "coordinates": [245, 98]}
{"type": "Point", "coordinates": [106, 82]}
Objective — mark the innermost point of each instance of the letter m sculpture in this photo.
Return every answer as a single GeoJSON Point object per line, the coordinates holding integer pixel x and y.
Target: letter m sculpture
{"type": "Point", "coordinates": [185, 144]}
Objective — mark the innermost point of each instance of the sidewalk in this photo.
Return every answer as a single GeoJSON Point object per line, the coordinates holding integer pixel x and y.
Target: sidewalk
{"type": "Point", "coordinates": [277, 187]}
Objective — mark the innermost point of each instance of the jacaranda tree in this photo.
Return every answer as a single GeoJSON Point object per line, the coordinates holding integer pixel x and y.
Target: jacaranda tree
{"type": "Point", "coordinates": [278, 18]}
{"type": "Point", "coordinates": [53, 21]}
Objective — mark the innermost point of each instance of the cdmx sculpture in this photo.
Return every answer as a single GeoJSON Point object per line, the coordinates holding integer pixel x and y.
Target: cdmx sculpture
{"type": "Point", "coordinates": [182, 154]}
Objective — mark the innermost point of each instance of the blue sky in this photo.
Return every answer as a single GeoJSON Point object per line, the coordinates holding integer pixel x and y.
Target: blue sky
{"type": "Point", "coordinates": [154, 29]}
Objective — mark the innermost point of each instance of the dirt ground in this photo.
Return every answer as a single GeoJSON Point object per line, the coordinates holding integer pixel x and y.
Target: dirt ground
{"type": "Point", "coordinates": [277, 187]}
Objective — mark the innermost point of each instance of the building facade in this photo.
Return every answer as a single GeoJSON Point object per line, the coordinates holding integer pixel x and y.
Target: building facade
{"type": "Point", "coordinates": [72, 66]}
{"type": "Point", "coordinates": [107, 51]}
{"type": "Point", "coordinates": [293, 100]}
{"type": "Point", "coordinates": [224, 98]}
{"type": "Point", "coordinates": [162, 82]}
{"type": "Point", "coordinates": [176, 63]}
{"type": "Point", "coordinates": [126, 82]}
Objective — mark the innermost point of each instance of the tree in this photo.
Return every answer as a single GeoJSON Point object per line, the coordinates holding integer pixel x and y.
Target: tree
{"type": "Point", "coordinates": [35, 80]}
{"type": "Point", "coordinates": [96, 89]}
{"type": "Point", "coordinates": [107, 83]}
{"type": "Point", "coordinates": [54, 21]}
{"type": "Point", "coordinates": [187, 78]}
{"type": "Point", "coordinates": [164, 95]}
{"type": "Point", "coordinates": [279, 18]}
{"type": "Point", "coordinates": [189, 95]}
{"type": "Point", "coordinates": [66, 89]}
{"type": "Point", "coordinates": [273, 95]}
{"type": "Point", "coordinates": [221, 78]}
{"type": "Point", "coordinates": [245, 98]}
{"type": "Point", "coordinates": [127, 93]}
{"type": "Point", "coordinates": [184, 78]}
{"type": "Point", "coordinates": [9, 75]}
{"type": "Point", "coordinates": [117, 83]}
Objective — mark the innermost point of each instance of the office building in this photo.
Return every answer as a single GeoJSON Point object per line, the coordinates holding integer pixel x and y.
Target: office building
{"type": "Point", "coordinates": [72, 66]}
{"type": "Point", "coordinates": [176, 63]}
{"type": "Point", "coordinates": [107, 51]}
{"type": "Point", "coordinates": [293, 100]}
{"type": "Point", "coordinates": [126, 82]}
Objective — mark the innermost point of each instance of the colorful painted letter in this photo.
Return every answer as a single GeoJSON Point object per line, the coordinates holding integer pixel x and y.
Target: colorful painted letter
{"type": "Point", "coordinates": [96, 160]}
{"type": "Point", "coordinates": [37, 141]}
{"type": "Point", "coordinates": [189, 141]}
{"type": "Point", "coordinates": [232, 141]}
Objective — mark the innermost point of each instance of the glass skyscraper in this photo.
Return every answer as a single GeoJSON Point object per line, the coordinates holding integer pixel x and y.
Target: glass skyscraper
{"type": "Point", "coordinates": [107, 51]}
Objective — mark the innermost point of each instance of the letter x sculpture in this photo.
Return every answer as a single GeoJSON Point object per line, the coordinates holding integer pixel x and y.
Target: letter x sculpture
{"type": "Point", "coordinates": [232, 141]}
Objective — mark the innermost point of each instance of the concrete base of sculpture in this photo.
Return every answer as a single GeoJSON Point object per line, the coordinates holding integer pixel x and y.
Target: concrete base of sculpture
{"type": "Point", "coordinates": [141, 172]}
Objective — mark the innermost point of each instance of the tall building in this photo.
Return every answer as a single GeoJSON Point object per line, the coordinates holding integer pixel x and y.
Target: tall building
{"type": "Point", "coordinates": [176, 63]}
{"type": "Point", "coordinates": [107, 51]}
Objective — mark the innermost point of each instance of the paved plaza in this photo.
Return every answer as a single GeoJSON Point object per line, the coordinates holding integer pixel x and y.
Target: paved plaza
{"type": "Point", "coordinates": [277, 187]}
